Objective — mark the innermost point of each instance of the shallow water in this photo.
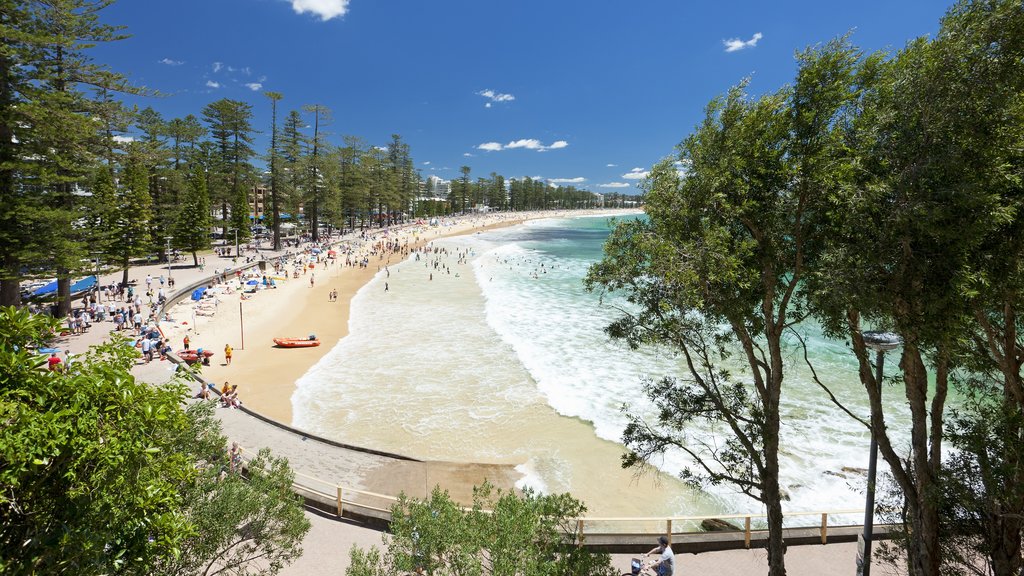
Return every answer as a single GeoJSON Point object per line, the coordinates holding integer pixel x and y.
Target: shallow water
{"type": "Point", "coordinates": [494, 352]}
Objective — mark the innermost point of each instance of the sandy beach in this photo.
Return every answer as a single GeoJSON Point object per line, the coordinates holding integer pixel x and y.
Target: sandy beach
{"type": "Point", "coordinates": [265, 374]}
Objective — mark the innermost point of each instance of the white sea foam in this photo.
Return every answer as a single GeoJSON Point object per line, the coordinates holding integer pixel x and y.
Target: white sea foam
{"type": "Point", "coordinates": [463, 366]}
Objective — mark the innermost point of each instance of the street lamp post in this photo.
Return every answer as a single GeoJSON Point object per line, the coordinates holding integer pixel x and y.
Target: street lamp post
{"type": "Point", "coordinates": [168, 255]}
{"type": "Point", "coordinates": [880, 342]}
{"type": "Point", "coordinates": [236, 242]}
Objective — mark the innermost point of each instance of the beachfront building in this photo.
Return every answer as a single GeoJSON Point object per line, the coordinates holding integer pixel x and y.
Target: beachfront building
{"type": "Point", "coordinates": [257, 203]}
{"type": "Point", "coordinates": [435, 187]}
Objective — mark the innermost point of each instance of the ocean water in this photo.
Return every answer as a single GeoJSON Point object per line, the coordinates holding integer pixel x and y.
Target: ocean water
{"type": "Point", "coordinates": [491, 350]}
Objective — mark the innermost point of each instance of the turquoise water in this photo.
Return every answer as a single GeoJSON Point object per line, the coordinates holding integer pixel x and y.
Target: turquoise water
{"type": "Point", "coordinates": [499, 355]}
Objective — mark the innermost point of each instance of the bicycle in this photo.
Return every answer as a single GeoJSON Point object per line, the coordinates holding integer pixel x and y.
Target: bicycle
{"type": "Point", "coordinates": [639, 568]}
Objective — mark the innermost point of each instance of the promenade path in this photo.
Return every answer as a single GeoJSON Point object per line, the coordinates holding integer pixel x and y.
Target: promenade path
{"type": "Point", "coordinates": [326, 547]}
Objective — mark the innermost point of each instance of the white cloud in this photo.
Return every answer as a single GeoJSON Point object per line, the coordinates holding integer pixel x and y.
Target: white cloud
{"type": "Point", "coordinates": [610, 165]}
{"type": "Point", "coordinates": [493, 96]}
{"type": "Point", "coordinates": [254, 86]}
{"type": "Point", "coordinates": [212, 84]}
{"type": "Point", "coordinates": [528, 143]}
{"type": "Point", "coordinates": [170, 62]}
{"type": "Point", "coordinates": [636, 174]}
{"type": "Point", "coordinates": [575, 180]}
{"type": "Point", "coordinates": [467, 155]}
{"type": "Point", "coordinates": [427, 163]}
{"type": "Point", "coordinates": [217, 66]}
{"type": "Point", "coordinates": [734, 44]}
{"type": "Point", "coordinates": [615, 185]}
{"type": "Point", "coordinates": [123, 139]}
{"type": "Point", "coordinates": [325, 9]}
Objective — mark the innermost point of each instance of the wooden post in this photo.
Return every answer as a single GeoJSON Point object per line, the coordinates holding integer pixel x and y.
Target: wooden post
{"type": "Point", "coordinates": [824, 528]}
{"type": "Point", "coordinates": [241, 326]}
{"type": "Point", "coordinates": [339, 500]}
{"type": "Point", "coordinates": [668, 530]}
{"type": "Point", "coordinates": [746, 535]}
{"type": "Point", "coordinates": [579, 532]}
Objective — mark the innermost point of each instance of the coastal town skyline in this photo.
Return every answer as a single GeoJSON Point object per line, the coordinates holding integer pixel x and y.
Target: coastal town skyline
{"type": "Point", "coordinates": [572, 94]}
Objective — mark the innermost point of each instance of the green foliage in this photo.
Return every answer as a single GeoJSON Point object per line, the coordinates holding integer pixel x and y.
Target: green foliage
{"type": "Point", "coordinates": [503, 534]}
{"type": "Point", "coordinates": [88, 485]}
{"type": "Point", "coordinates": [231, 173]}
{"type": "Point", "coordinates": [103, 474]}
{"type": "Point", "coordinates": [251, 524]}
{"type": "Point", "coordinates": [192, 228]}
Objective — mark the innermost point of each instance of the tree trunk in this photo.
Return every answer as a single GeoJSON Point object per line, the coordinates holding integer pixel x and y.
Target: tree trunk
{"type": "Point", "coordinates": [63, 292]}
{"type": "Point", "coordinates": [923, 553]}
{"type": "Point", "coordinates": [195, 258]}
{"type": "Point", "coordinates": [10, 291]}
{"type": "Point", "coordinates": [124, 274]}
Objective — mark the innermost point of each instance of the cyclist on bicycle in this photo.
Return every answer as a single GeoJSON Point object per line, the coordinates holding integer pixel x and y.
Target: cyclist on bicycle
{"type": "Point", "coordinates": [666, 564]}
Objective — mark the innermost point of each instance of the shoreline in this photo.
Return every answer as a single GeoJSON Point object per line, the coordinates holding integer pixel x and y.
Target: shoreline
{"type": "Point", "coordinates": [267, 375]}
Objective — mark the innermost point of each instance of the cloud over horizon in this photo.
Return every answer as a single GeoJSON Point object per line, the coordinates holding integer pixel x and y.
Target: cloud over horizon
{"type": "Point", "coordinates": [636, 174]}
{"type": "Point", "coordinates": [615, 185]}
{"type": "Point", "coordinates": [576, 180]}
{"type": "Point", "coordinates": [170, 62]}
{"type": "Point", "coordinates": [325, 9]}
{"type": "Point", "coordinates": [734, 44]}
{"type": "Point", "coordinates": [527, 143]}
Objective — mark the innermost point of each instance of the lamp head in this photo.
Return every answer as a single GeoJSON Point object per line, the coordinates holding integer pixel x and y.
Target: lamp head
{"type": "Point", "coordinates": [881, 341]}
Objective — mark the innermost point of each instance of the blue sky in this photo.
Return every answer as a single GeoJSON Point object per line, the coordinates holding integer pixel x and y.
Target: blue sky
{"type": "Point", "coordinates": [590, 93]}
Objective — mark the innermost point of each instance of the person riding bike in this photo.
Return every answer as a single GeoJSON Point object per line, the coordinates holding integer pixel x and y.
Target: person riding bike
{"type": "Point", "coordinates": [666, 563]}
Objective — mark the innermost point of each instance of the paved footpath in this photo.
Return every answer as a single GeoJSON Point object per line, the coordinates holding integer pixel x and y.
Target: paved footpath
{"type": "Point", "coordinates": [326, 547]}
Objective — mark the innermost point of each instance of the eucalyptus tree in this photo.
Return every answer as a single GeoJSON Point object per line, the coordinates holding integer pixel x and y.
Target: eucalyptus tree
{"type": "Point", "coordinates": [929, 244]}
{"type": "Point", "coordinates": [275, 200]}
{"type": "Point", "coordinates": [501, 534]}
{"type": "Point", "coordinates": [231, 130]}
{"type": "Point", "coordinates": [717, 272]}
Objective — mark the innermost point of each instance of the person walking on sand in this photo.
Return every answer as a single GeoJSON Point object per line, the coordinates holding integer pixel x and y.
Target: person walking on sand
{"type": "Point", "coordinates": [227, 353]}
{"type": "Point", "coordinates": [185, 341]}
{"type": "Point", "coordinates": [311, 278]}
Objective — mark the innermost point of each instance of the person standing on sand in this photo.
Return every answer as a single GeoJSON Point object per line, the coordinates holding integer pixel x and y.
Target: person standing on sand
{"type": "Point", "coordinates": [227, 353]}
{"type": "Point", "coordinates": [185, 341]}
{"type": "Point", "coordinates": [311, 278]}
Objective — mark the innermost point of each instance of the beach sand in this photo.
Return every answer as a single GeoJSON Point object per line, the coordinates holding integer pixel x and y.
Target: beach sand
{"type": "Point", "coordinates": [265, 374]}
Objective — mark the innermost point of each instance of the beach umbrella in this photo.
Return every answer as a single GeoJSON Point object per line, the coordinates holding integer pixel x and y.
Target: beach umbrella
{"type": "Point", "coordinates": [253, 282]}
{"type": "Point", "coordinates": [48, 350]}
